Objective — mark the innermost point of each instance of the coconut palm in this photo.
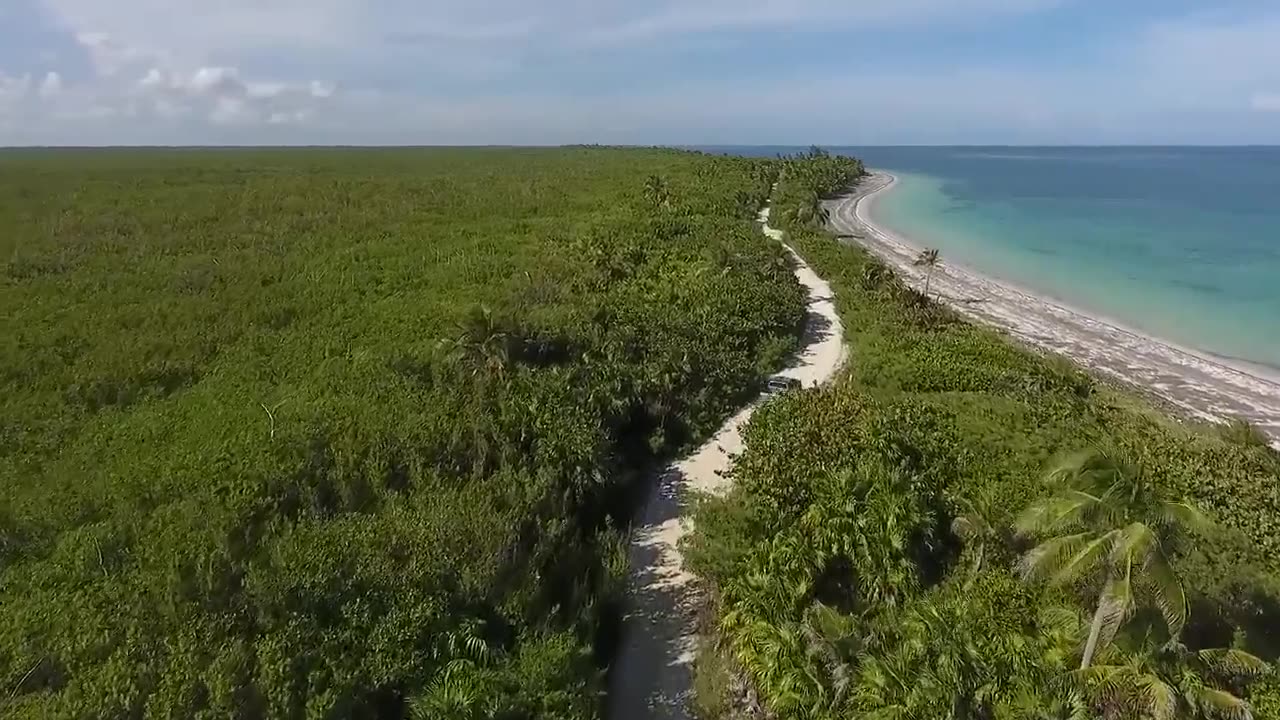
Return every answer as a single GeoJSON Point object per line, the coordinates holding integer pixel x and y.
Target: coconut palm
{"type": "Point", "coordinates": [462, 690]}
{"type": "Point", "coordinates": [811, 210]}
{"type": "Point", "coordinates": [875, 521]}
{"type": "Point", "coordinates": [1108, 524]}
{"type": "Point", "coordinates": [944, 658]}
{"type": "Point", "coordinates": [977, 533]}
{"type": "Point", "coordinates": [482, 342]}
{"type": "Point", "coordinates": [927, 258]}
{"type": "Point", "coordinates": [464, 687]}
{"type": "Point", "coordinates": [656, 192]}
{"type": "Point", "coordinates": [1171, 683]}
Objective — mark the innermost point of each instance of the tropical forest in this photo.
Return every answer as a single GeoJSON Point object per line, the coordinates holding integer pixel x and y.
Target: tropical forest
{"type": "Point", "coordinates": [959, 528]}
{"type": "Point", "coordinates": [360, 433]}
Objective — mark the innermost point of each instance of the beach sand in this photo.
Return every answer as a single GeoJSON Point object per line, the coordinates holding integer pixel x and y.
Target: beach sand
{"type": "Point", "coordinates": [1199, 384]}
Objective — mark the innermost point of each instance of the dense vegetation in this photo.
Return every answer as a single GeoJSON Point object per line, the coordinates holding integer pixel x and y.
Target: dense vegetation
{"type": "Point", "coordinates": [960, 528]}
{"type": "Point", "coordinates": [335, 434]}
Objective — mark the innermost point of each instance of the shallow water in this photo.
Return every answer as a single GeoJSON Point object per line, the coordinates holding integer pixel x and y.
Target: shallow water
{"type": "Point", "coordinates": [1181, 243]}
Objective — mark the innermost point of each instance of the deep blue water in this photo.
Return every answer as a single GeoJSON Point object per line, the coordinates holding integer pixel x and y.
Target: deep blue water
{"type": "Point", "coordinates": [1179, 242]}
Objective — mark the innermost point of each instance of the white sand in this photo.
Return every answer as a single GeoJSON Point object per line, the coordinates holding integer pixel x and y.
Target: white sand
{"type": "Point", "coordinates": [1200, 384]}
{"type": "Point", "coordinates": [652, 676]}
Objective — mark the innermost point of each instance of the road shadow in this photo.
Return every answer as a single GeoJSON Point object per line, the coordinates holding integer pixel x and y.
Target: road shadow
{"type": "Point", "coordinates": [816, 329]}
{"type": "Point", "coordinates": [653, 675]}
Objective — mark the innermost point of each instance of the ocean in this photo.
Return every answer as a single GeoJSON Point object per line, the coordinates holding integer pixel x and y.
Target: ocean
{"type": "Point", "coordinates": [1181, 243]}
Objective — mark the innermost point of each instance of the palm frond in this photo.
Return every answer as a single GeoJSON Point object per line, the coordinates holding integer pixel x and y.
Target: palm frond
{"type": "Point", "coordinates": [1234, 663]}
{"type": "Point", "coordinates": [1134, 544]}
{"type": "Point", "coordinates": [1183, 516]}
{"type": "Point", "coordinates": [1116, 606]}
{"type": "Point", "coordinates": [1221, 704]}
{"type": "Point", "coordinates": [1084, 559]}
{"type": "Point", "coordinates": [1166, 589]}
{"type": "Point", "coordinates": [1156, 697]}
{"type": "Point", "coordinates": [1046, 559]}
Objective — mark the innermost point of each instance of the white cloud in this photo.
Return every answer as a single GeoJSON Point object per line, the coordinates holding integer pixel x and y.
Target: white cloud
{"type": "Point", "coordinates": [153, 80]}
{"type": "Point", "coordinates": [266, 89]}
{"type": "Point", "coordinates": [391, 71]}
{"type": "Point", "coordinates": [644, 21]}
{"type": "Point", "coordinates": [450, 30]}
{"type": "Point", "coordinates": [108, 56]}
{"type": "Point", "coordinates": [166, 109]}
{"type": "Point", "coordinates": [1204, 61]}
{"type": "Point", "coordinates": [232, 111]}
{"type": "Point", "coordinates": [51, 85]}
{"type": "Point", "coordinates": [153, 88]}
{"type": "Point", "coordinates": [296, 117]}
{"type": "Point", "coordinates": [215, 81]}
{"type": "Point", "coordinates": [13, 88]}
{"type": "Point", "coordinates": [1265, 102]}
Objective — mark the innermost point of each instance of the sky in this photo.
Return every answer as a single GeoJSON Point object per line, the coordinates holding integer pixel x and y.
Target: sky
{"type": "Point", "coordinates": [836, 72]}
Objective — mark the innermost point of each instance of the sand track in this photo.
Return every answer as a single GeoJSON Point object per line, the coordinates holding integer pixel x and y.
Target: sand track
{"type": "Point", "coordinates": [652, 676]}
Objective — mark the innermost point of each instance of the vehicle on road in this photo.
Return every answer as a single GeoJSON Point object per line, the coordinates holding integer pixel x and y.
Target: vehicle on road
{"type": "Point", "coordinates": [781, 384]}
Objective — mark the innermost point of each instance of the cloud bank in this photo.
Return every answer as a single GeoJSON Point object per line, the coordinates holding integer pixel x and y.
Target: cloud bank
{"type": "Point", "coordinates": [691, 71]}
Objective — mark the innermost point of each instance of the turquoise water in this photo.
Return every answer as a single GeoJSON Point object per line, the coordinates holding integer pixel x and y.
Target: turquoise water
{"type": "Point", "coordinates": [1181, 243]}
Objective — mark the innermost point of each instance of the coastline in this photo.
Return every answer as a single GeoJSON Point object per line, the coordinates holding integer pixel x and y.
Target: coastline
{"type": "Point", "coordinates": [1199, 384]}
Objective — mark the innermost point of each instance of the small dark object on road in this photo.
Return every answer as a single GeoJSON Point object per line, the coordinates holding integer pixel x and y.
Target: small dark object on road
{"type": "Point", "coordinates": [782, 384]}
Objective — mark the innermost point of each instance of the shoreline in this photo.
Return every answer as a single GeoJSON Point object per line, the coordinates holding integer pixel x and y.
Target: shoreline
{"type": "Point", "coordinates": [1196, 383]}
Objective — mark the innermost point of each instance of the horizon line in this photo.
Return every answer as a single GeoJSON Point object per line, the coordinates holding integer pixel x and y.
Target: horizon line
{"type": "Point", "coordinates": [676, 146]}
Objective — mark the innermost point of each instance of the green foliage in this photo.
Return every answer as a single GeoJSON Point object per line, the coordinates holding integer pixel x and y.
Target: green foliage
{"type": "Point", "coordinates": [1264, 696]}
{"type": "Point", "coordinates": [1107, 523]}
{"type": "Point", "coordinates": [312, 433]}
{"type": "Point", "coordinates": [1171, 681]}
{"type": "Point", "coordinates": [804, 181]}
{"type": "Point", "coordinates": [1245, 434]}
{"type": "Point", "coordinates": [956, 423]}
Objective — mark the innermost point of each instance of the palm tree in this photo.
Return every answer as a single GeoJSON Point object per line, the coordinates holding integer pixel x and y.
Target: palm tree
{"type": "Point", "coordinates": [1106, 520]}
{"type": "Point", "coordinates": [941, 657]}
{"type": "Point", "coordinates": [833, 644]}
{"type": "Point", "coordinates": [876, 521]}
{"type": "Point", "coordinates": [482, 341]}
{"type": "Point", "coordinates": [464, 688]}
{"type": "Point", "coordinates": [927, 258]}
{"type": "Point", "coordinates": [814, 210]}
{"type": "Point", "coordinates": [976, 532]}
{"type": "Point", "coordinates": [656, 191]}
{"type": "Point", "coordinates": [1171, 683]}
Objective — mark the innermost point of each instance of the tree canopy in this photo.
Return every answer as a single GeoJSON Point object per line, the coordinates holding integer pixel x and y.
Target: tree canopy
{"type": "Point", "coordinates": [352, 433]}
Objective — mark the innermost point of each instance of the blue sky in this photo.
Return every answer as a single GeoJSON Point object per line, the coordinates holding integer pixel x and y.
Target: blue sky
{"type": "Point", "coordinates": [843, 72]}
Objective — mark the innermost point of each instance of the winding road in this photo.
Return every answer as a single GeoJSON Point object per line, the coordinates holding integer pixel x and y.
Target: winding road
{"type": "Point", "coordinates": [652, 676]}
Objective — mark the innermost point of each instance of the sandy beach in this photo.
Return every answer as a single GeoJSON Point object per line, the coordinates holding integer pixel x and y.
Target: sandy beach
{"type": "Point", "coordinates": [1199, 384]}
{"type": "Point", "coordinates": [652, 678]}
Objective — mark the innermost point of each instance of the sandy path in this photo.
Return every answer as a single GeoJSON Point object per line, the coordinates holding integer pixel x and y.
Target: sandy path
{"type": "Point", "coordinates": [1201, 385]}
{"type": "Point", "coordinates": [653, 674]}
